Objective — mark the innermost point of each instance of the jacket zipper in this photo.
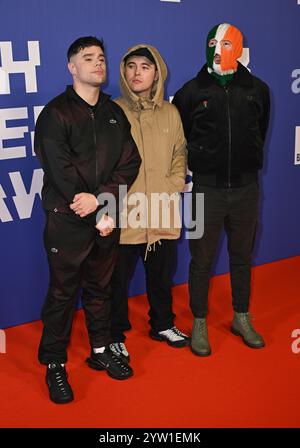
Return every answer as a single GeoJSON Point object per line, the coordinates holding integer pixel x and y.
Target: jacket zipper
{"type": "Point", "coordinates": [92, 115]}
{"type": "Point", "coordinates": [229, 137]}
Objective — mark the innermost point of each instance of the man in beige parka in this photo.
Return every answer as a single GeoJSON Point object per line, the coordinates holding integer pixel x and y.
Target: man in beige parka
{"type": "Point", "coordinates": [157, 130]}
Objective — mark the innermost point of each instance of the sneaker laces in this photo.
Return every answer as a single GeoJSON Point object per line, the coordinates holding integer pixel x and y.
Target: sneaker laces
{"type": "Point", "coordinates": [245, 320]}
{"type": "Point", "coordinates": [60, 379]}
{"type": "Point", "coordinates": [117, 360]}
{"type": "Point", "coordinates": [119, 348]}
{"type": "Point", "coordinates": [173, 334]}
{"type": "Point", "coordinates": [201, 326]}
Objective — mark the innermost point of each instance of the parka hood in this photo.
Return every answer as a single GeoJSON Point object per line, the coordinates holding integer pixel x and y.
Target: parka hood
{"type": "Point", "coordinates": [157, 94]}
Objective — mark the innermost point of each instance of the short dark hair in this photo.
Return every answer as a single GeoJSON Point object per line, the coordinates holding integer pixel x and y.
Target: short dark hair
{"type": "Point", "coordinates": [84, 42]}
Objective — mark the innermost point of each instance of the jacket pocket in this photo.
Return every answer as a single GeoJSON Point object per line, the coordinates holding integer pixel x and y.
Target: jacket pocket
{"type": "Point", "coordinates": [202, 159]}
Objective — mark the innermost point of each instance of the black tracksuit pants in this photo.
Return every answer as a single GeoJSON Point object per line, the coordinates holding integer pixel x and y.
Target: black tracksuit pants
{"type": "Point", "coordinates": [159, 268]}
{"type": "Point", "coordinates": [78, 258]}
{"type": "Point", "coordinates": [235, 209]}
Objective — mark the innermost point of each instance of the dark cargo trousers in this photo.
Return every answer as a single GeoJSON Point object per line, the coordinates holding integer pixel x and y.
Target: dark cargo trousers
{"type": "Point", "coordinates": [235, 210]}
{"type": "Point", "coordinates": [159, 268]}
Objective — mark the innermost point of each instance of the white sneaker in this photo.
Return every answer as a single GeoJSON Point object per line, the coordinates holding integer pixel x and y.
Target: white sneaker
{"type": "Point", "coordinates": [172, 336]}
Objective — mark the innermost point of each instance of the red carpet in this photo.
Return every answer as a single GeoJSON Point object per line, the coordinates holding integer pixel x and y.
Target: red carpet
{"type": "Point", "coordinates": [235, 387]}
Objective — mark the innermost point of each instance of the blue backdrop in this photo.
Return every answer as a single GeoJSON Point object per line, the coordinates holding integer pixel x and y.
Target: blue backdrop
{"type": "Point", "coordinates": [40, 32]}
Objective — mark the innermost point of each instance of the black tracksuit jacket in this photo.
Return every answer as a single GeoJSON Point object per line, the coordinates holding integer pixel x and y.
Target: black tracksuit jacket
{"type": "Point", "coordinates": [225, 127]}
{"type": "Point", "coordinates": [83, 149]}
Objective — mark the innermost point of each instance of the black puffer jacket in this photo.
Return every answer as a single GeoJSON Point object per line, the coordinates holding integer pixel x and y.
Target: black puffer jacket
{"type": "Point", "coordinates": [82, 149]}
{"type": "Point", "coordinates": [225, 127]}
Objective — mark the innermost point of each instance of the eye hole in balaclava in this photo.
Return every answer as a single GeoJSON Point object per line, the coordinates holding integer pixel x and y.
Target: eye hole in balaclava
{"type": "Point", "coordinates": [224, 46]}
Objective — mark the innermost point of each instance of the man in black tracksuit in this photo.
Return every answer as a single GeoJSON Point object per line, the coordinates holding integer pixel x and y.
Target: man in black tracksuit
{"type": "Point", "coordinates": [225, 114]}
{"type": "Point", "coordinates": [85, 147]}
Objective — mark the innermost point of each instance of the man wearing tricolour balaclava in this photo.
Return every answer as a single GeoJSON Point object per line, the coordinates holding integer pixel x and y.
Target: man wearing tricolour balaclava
{"type": "Point", "coordinates": [225, 114]}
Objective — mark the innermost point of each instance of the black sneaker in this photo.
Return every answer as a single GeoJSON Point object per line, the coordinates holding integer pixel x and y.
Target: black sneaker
{"type": "Point", "coordinates": [60, 391]}
{"type": "Point", "coordinates": [119, 349]}
{"type": "Point", "coordinates": [172, 336]}
{"type": "Point", "coordinates": [113, 364]}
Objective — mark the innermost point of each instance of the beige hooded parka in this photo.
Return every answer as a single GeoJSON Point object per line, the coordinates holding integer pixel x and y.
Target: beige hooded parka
{"type": "Point", "coordinates": [157, 130]}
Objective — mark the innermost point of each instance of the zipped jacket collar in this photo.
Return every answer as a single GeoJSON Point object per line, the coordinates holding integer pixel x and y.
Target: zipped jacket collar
{"type": "Point", "coordinates": [103, 97]}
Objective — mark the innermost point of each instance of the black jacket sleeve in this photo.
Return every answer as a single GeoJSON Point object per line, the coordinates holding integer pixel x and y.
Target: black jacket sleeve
{"type": "Point", "coordinates": [53, 151]}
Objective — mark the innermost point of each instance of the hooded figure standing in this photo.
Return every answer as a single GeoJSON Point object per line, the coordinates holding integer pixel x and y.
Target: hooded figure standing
{"type": "Point", "coordinates": [225, 114]}
{"type": "Point", "coordinates": [157, 130]}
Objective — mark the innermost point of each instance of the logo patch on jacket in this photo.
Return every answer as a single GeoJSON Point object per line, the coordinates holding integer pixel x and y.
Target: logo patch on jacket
{"type": "Point", "coordinates": [112, 121]}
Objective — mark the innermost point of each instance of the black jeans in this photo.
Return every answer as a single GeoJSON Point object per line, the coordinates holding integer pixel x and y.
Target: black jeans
{"type": "Point", "coordinates": [235, 209]}
{"type": "Point", "coordinates": [159, 266]}
{"type": "Point", "coordinates": [77, 257]}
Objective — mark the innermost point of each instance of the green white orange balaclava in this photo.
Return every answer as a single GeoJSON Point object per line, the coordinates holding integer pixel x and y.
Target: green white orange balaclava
{"type": "Point", "coordinates": [217, 44]}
